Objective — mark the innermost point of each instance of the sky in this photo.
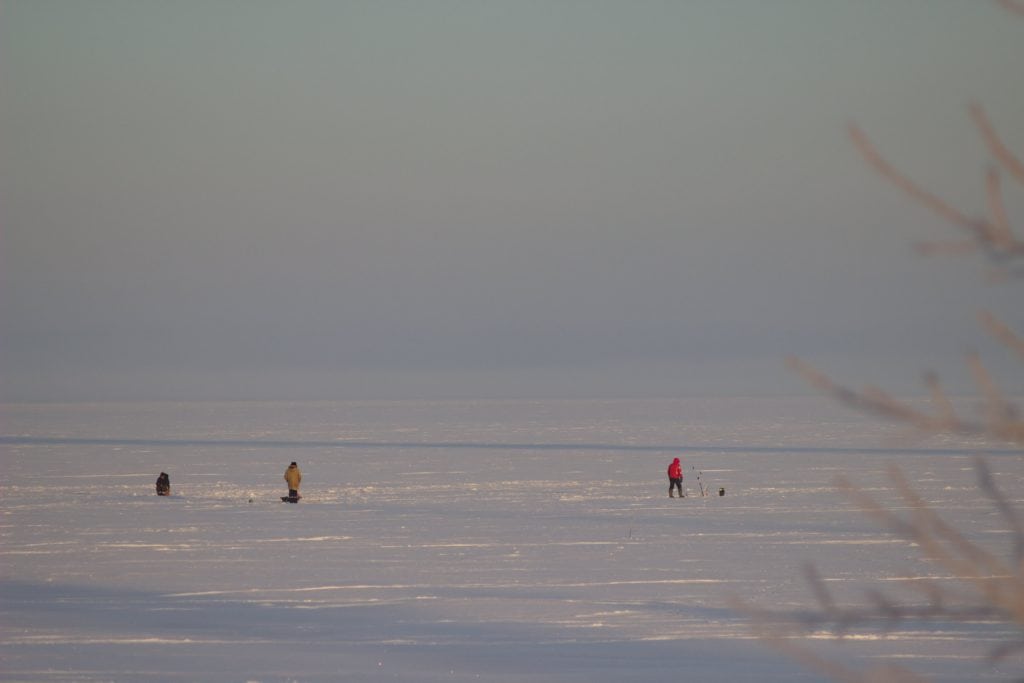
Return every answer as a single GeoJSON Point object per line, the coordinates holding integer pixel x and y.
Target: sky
{"type": "Point", "coordinates": [348, 200]}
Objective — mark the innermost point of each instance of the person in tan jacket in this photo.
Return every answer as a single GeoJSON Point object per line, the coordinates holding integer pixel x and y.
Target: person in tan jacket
{"type": "Point", "coordinates": [293, 476]}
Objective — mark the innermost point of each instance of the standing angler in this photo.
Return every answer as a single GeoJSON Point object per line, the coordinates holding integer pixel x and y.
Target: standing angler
{"type": "Point", "coordinates": [293, 476]}
{"type": "Point", "coordinates": [675, 478]}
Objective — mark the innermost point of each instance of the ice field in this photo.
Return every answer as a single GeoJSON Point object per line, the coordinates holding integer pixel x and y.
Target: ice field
{"type": "Point", "coordinates": [464, 540]}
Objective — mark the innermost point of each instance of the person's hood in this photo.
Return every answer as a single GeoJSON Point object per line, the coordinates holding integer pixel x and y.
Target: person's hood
{"type": "Point", "coordinates": [675, 461]}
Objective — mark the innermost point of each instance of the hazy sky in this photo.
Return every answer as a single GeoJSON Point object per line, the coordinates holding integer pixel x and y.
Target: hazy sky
{"type": "Point", "coordinates": [387, 199]}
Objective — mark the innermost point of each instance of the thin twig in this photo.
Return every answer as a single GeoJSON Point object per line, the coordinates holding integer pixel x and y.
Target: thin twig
{"type": "Point", "coordinates": [978, 227]}
{"type": "Point", "coordinates": [997, 408]}
{"type": "Point", "coordinates": [999, 229]}
{"type": "Point", "coordinates": [942, 403]}
{"type": "Point", "coordinates": [1003, 421]}
{"type": "Point", "coordinates": [995, 145]}
{"type": "Point", "coordinates": [988, 485]}
{"type": "Point", "coordinates": [1003, 333]}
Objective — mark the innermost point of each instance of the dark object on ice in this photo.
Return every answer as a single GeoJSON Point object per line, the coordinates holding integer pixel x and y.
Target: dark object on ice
{"type": "Point", "coordinates": [721, 490]}
{"type": "Point", "coordinates": [163, 485]}
{"type": "Point", "coordinates": [290, 499]}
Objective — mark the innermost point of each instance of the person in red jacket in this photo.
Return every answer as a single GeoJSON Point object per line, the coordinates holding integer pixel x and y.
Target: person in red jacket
{"type": "Point", "coordinates": [675, 478]}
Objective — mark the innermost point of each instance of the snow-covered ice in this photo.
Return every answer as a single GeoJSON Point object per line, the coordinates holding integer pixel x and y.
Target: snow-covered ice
{"type": "Point", "coordinates": [462, 540]}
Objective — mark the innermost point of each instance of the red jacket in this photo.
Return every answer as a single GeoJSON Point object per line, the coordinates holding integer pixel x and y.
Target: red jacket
{"type": "Point", "coordinates": [675, 470]}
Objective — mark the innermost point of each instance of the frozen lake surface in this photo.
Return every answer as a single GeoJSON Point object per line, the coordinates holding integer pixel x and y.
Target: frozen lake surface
{"type": "Point", "coordinates": [463, 540]}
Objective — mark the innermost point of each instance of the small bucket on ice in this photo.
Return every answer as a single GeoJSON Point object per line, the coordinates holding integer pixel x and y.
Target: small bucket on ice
{"type": "Point", "coordinates": [721, 490]}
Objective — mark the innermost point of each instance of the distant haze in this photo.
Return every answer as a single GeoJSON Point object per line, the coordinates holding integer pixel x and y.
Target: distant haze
{"type": "Point", "coordinates": [246, 199]}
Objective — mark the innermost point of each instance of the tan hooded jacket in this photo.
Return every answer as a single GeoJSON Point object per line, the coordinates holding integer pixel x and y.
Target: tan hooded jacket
{"type": "Point", "coordinates": [293, 476]}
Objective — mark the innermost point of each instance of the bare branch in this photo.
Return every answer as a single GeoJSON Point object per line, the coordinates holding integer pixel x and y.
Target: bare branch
{"type": "Point", "coordinates": [935, 538]}
{"type": "Point", "coordinates": [1002, 415]}
{"type": "Point", "coordinates": [1012, 5]}
{"type": "Point", "coordinates": [1006, 649]}
{"type": "Point", "coordinates": [1003, 420]}
{"type": "Point", "coordinates": [997, 592]}
{"type": "Point", "coordinates": [936, 248]}
{"type": "Point", "coordinates": [767, 626]}
{"type": "Point", "coordinates": [821, 592]}
{"type": "Point", "coordinates": [995, 145]}
{"type": "Point", "coordinates": [999, 232]}
{"type": "Point", "coordinates": [942, 403]}
{"type": "Point", "coordinates": [987, 587]}
{"type": "Point", "coordinates": [988, 485]}
{"type": "Point", "coordinates": [1003, 333]}
{"type": "Point", "coordinates": [977, 227]}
